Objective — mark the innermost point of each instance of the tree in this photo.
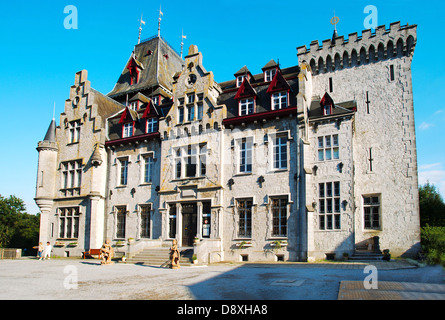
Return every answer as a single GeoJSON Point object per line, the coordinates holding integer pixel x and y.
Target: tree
{"type": "Point", "coordinates": [432, 206]}
{"type": "Point", "coordinates": [17, 228]}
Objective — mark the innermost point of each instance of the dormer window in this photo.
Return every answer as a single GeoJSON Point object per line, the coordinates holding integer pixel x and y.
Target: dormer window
{"type": "Point", "coordinates": [327, 110]}
{"type": "Point", "coordinates": [152, 125]}
{"type": "Point", "coordinates": [155, 100]}
{"type": "Point", "coordinates": [239, 81]}
{"type": "Point", "coordinates": [326, 104]}
{"type": "Point", "coordinates": [127, 130]}
{"type": "Point", "coordinates": [279, 100]}
{"type": "Point", "coordinates": [246, 106]}
{"type": "Point", "coordinates": [134, 105]}
{"type": "Point", "coordinates": [269, 75]}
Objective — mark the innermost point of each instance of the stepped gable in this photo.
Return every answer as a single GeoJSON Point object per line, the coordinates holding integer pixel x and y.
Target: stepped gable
{"type": "Point", "coordinates": [339, 53]}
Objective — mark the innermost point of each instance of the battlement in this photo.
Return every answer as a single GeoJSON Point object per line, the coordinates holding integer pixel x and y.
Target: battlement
{"type": "Point", "coordinates": [338, 53]}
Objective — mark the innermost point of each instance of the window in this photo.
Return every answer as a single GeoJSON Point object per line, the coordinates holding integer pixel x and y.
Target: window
{"type": "Point", "coordinates": [189, 155]}
{"type": "Point", "coordinates": [329, 206]}
{"type": "Point", "coordinates": [148, 169]}
{"type": "Point", "coordinates": [279, 217]}
{"type": "Point", "coordinates": [391, 72]}
{"type": "Point", "coordinates": [279, 100]}
{"type": "Point", "coordinates": [190, 98]}
{"type": "Point", "coordinates": [239, 81]}
{"type": "Point", "coordinates": [145, 221]}
{"type": "Point", "coordinates": [245, 152]}
{"type": "Point", "coordinates": [327, 110]}
{"type": "Point", "coordinates": [156, 100]}
{"type": "Point", "coordinates": [331, 85]}
{"type": "Point", "coordinates": [172, 222]}
{"type": "Point", "coordinates": [190, 113]}
{"type": "Point", "coordinates": [244, 208]}
{"type": "Point", "coordinates": [123, 172]}
{"type": "Point", "coordinates": [203, 159]}
{"type": "Point", "coordinates": [127, 130]}
{"type": "Point", "coordinates": [246, 106]}
{"type": "Point", "coordinates": [178, 164]}
{"type": "Point", "coordinates": [121, 220]}
{"type": "Point", "coordinates": [69, 223]}
{"type": "Point", "coordinates": [134, 105]}
{"type": "Point", "coordinates": [280, 152]}
{"type": "Point", "coordinates": [181, 114]}
{"type": "Point", "coordinates": [371, 209]}
{"type": "Point", "coordinates": [269, 75]}
{"type": "Point", "coordinates": [72, 174]}
{"type": "Point", "coordinates": [328, 148]}
{"type": "Point", "coordinates": [74, 128]}
{"type": "Point", "coordinates": [152, 125]}
{"type": "Point", "coordinates": [200, 110]}
{"type": "Point", "coordinates": [190, 168]}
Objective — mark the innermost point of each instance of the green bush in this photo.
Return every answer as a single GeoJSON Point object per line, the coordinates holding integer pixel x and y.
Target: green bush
{"type": "Point", "coordinates": [433, 244]}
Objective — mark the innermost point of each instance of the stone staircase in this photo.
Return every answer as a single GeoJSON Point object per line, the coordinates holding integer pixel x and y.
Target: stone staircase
{"type": "Point", "coordinates": [366, 255]}
{"type": "Point", "coordinates": [161, 257]}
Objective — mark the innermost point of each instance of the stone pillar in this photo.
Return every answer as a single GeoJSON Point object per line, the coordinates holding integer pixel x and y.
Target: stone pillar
{"type": "Point", "coordinates": [45, 206]}
{"type": "Point", "coordinates": [96, 221]}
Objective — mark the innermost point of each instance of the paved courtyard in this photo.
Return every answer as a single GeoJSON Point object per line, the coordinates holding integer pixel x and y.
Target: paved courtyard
{"type": "Point", "coordinates": [74, 279]}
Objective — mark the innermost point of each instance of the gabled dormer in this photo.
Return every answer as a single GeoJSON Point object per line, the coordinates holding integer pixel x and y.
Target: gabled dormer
{"type": "Point", "coordinates": [279, 90]}
{"type": "Point", "coordinates": [242, 74]}
{"type": "Point", "coordinates": [128, 121]}
{"type": "Point", "coordinates": [134, 68]}
{"type": "Point", "coordinates": [246, 97]}
{"type": "Point", "coordinates": [151, 118]}
{"type": "Point", "coordinates": [327, 104]}
{"type": "Point", "coordinates": [269, 70]}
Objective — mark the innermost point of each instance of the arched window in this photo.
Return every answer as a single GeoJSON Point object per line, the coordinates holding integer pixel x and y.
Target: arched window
{"type": "Point", "coordinates": [363, 58]}
{"type": "Point", "coordinates": [400, 47]}
{"type": "Point", "coordinates": [390, 50]}
{"type": "Point", "coordinates": [337, 62]}
{"type": "Point", "coordinates": [345, 60]}
{"type": "Point", "coordinates": [371, 53]}
{"type": "Point", "coordinates": [320, 65]}
{"type": "Point", "coordinates": [381, 51]}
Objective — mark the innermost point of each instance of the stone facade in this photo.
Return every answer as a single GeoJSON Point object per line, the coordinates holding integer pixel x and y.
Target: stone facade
{"type": "Point", "coordinates": [285, 165]}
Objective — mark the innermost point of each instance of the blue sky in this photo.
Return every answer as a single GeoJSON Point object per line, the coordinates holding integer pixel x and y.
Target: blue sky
{"type": "Point", "coordinates": [39, 58]}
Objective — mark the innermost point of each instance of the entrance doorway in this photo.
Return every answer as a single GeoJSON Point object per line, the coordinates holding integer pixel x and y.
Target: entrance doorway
{"type": "Point", "coordinates": [189, 223]}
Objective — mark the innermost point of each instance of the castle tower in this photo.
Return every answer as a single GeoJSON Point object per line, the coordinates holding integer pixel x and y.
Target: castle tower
{"type": "Point", "coordinates": [46, 177]}
{"type": "Point", "coordinates": [371, 122]}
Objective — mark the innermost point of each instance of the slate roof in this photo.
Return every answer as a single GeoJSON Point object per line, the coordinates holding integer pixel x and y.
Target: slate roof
{"type": "Point", "coordinates": [160, 62]}
{"type": "Point", "coordinates": [263, 100]}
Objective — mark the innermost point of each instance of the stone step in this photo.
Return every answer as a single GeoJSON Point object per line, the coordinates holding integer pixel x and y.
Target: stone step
{"type": "Point", "coordinates": [365, 255]}
{"type": "Point", "coordinates": [160, 257]}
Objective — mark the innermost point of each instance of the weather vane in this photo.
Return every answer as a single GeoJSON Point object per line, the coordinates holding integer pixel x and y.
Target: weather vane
{"type": "Point", "coordinates": [182, 42]}
{"type": "Point", "coordinates": [159, 21]}
{"type": "Point", "coordinates": [334, 21]}
{"type": "Point", "coordinates": [140, 29]}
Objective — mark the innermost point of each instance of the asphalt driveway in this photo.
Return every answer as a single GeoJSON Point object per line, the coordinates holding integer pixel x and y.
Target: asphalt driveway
{"type": "Point", "coordinates": [74, 279]}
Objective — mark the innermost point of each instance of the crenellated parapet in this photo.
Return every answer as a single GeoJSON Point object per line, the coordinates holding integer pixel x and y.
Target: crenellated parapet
{"type": "Point", "coordinates": [339, 53]}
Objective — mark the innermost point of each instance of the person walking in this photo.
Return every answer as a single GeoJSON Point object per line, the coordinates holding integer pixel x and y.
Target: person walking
{"type": "Point", "coordinates": [47, 251]}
